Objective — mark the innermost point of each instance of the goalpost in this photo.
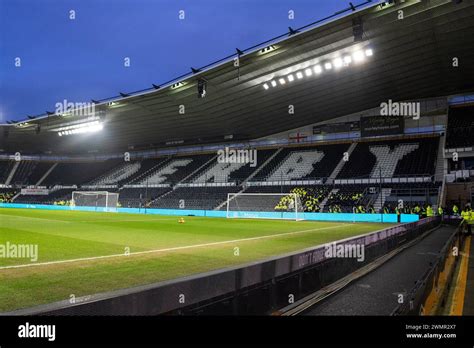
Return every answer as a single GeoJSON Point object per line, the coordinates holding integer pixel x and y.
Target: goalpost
{"type": "Point", "coordinates": [97, 199]}
{"type": "Point", "coordinates": [286, 206]}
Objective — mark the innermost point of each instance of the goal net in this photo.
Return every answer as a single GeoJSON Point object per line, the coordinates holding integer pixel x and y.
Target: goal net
{"type": "Point", "coordinates": [94, 199]}
{"type": "Point", "coordinates": [264, 206]}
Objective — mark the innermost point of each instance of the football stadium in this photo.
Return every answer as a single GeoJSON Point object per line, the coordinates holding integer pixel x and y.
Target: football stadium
{"type": "Point", "coordinates": [328, 171]}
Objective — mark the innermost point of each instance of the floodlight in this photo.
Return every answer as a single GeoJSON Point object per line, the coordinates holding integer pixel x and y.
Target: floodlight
{"type": "Point", "coordinates": [299, 75]}
{"type": "Point", "coordinates": [317, 69]}
{"type": "Point", "coordinates": [308, 72]}
{"type": "Point", "coordinates": [282, 81]}
{"type": "Point", "coordinates": [291, 78]}
{"type": "Point", "coordinates": [273, 83]}
{"type": "Point", "coordinates": [266, 86]}
{"type": "Point", "coordinates": [358, 56]}
{"type": "Point", "coordinates": [328, 66]}
{"type": "Point", "coordinates": [337, 62]}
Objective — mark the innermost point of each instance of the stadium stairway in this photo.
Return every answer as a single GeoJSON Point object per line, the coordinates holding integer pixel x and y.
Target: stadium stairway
{"type": "Point", "coordinates": [325, 200]}
{"type": "Point", "coordinates": [441, 167]}
{"type": "Point", "coordinates": [12, 173]}
{"type": "Point", "coordinates": [224, 204]}
{"type": "Point", "coordinates": [262, 166]}
{"type": "Point", "coordinates": [197, 170]}
{"type": "Point", "coordinates": [378, 204]}
{"type": "Point", "coordinates": [341, 163]}
{"type": "Point", "coordinates": [141, 175]}
{"type": "Point", "coordinates": [40, 181]}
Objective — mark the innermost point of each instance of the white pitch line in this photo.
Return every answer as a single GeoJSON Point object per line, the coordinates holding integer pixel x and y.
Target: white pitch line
{"type": "Point", "coordinates": [168, 249]}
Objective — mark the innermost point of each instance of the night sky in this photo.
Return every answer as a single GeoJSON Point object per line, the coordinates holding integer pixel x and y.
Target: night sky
{"type": "Point", "coordinates": [83, 59]}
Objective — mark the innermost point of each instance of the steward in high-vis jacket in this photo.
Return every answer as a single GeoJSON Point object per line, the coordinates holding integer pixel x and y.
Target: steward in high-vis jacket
{"type": "Point", "coordinates": [429, 211]}
{"type": "Point", "coordinates": [466, 216]}
{"type": "Point", "coordinates": [455, 210]}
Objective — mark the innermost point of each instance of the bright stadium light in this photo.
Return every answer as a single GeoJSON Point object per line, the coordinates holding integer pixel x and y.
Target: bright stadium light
{"type": "Point", "coordinates": [358, 56]}
{"type": "Point", "coordinates": [344, 59]}
{"type": "Point", "coordinates": [86, 127]}
{"type": "Point", "coordinates": [337, 63]}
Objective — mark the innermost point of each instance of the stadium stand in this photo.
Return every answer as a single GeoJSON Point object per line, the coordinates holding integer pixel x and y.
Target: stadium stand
{"type": "Point", "coordinates": [78, 173]}
{"type": "Point", "coordinates": [60, 195]}
{"type": "Point", "coordinates": [178, 169]}
{"type": "Point", "coordinates": [201, 182]}
{"type": "Point", "coordinates": [30, 172]}
{"type": "Point", "coordinates": [5, 168]}
{"type": "Point", "coordinates": [392, 158]}
{"type": "Point", "coordinates": [215, 172]}
{"type": "Point", "coordinates": [118, 174]}
{"type": "Point", "coordinates": [140, 197]}
{"type": "Point", "coordinates": [6, 195]}
{"type": "Point", "coordinates": [206, 198]}
{"type": "Point", "coordinates": [309, 162]}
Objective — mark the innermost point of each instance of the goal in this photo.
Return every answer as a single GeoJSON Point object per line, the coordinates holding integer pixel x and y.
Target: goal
{"type": "Point", "coordinates": [95, 199]}
{"type": "Point", "coordinates": [264, 206]}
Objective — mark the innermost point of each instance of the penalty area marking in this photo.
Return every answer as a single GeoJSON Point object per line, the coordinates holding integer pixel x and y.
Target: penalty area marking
{"type": "Point", "coordinates": [169, 249]}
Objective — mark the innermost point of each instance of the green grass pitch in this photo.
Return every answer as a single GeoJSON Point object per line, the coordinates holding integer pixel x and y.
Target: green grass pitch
{"type": "Point", "coordinates": [83, 253]}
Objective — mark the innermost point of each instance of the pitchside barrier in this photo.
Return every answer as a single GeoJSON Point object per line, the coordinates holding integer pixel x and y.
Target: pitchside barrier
{"type": "Point", "coordinates": [254, 288]}
{"type": "Point", "coordinates": [340, 217]}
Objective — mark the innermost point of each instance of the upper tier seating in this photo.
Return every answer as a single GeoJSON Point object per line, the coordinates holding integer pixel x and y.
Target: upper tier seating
{"type": "Point", "coordinates": [5, 168]}
{"type": "Point", "coordinates": [161, 175]}
{"type": "Point", "coordinates": [303, 162]}
{"type": "Point", "coordinates": [121, 173]}
{"type": "Point", "coordinates": [460, 131]}
{"type": "Point", "coordinates": [174, 170]}
{"type": "Point", "coordinates": [392, 158]}
{"type": "Point", "coordinates": [30, 172]}
{"type": "Point", "coordinates": [222, 172]}
{"type": "Point", "coordinates": [78, 173]}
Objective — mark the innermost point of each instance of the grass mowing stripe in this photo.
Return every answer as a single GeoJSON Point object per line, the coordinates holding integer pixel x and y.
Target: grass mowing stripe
{"type": "Point", "coordinates": [169, 249]}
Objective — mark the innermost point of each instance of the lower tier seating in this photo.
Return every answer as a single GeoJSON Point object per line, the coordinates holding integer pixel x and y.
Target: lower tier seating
{"type": "Point", "coordinates": [206, 198]}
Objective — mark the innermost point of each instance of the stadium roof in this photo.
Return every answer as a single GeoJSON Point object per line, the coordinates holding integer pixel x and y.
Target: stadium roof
{"type": "Point", "coordinates": [412, 59]}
